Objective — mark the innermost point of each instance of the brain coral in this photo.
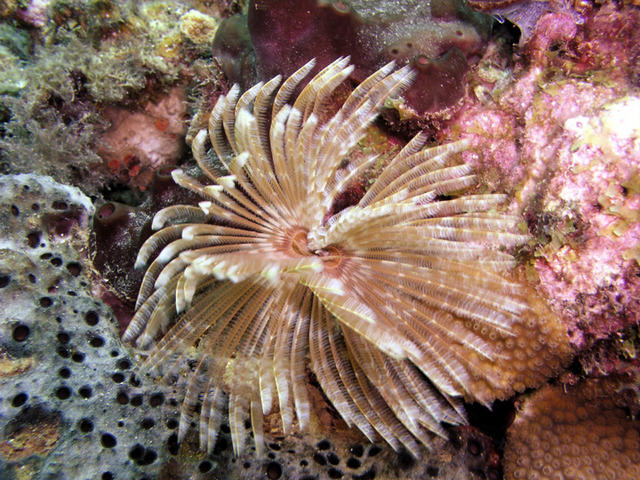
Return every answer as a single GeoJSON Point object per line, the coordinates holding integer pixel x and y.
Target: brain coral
{"type": "Point", "coordinates": [574, 434]}
{"type": "Point", "coordinates": [398, 304]}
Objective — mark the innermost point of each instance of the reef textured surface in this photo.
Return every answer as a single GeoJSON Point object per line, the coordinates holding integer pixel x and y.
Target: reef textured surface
{"type": "Point", "coordinates": [583, 432]}
{"type": "Point", "coordinates": [97, 98]}
{"type": "Point", "coordinates": [397, 305]}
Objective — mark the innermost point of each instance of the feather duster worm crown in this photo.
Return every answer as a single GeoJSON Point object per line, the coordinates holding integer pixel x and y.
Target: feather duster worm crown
{"type": "Point", "coordinates": [396, 304]}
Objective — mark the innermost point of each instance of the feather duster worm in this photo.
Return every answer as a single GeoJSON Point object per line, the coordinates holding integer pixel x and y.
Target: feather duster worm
{"type": "Point", "coordinates": [397, 303]}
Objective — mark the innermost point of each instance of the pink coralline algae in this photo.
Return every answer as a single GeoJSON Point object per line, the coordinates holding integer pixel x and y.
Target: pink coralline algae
{"type": "Point", "coordinates": [496, 156]}
{"type": "Point", "coordinates": [610, 40]}
{"type": "Point", "coordinates": [575, 179]}
{"type": "Point", "coordinates": [551, 29]}
{"type": "Point", "coordinates": [141, 142]}
{"type": "Point", "coordinates": [561, 134]}
{"type": "Point", "coordinates": [595, 279]}
{"type": "Point", "coordinates": [35, 13]}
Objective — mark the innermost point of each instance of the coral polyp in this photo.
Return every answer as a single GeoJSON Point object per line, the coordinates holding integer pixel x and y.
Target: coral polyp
{"type": "Point", "coordinates": [398, 304]}
{"type": "Point", "coordinates": [580, 431]}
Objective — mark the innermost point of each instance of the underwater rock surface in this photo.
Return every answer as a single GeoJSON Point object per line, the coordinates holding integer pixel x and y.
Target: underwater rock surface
{"type": "Point", "coordinates": [551, 114]}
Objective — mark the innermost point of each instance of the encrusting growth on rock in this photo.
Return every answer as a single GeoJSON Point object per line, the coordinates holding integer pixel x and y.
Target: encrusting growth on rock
{"type": "Point", "coordinates": [397, 304]}
{"type": "Point", "coordinates": [574, 433]}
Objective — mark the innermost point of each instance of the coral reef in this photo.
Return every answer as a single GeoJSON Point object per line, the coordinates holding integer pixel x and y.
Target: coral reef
{"type": "Point", "coordinates": [97, 94]}
{"type": "Point", "coordinates": [280, 274]}
{"type": "Point", "coordinates": [576, 432]}
{"type": "Point", "coordinates": [72, 405]}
